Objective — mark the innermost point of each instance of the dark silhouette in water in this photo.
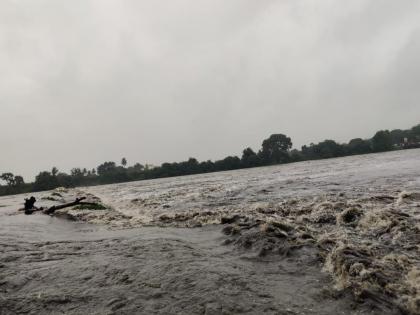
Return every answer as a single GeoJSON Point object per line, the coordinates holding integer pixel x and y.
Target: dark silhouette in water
{"type": "Point", "coordinates": [30, 205]}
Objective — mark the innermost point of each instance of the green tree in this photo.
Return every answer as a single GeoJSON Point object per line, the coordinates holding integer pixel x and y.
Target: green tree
{"type": "Point", "coordinates": [228, 163]}
{"type": "Point", "coordinates": [54, 171]}
{"type": "Point", "coordinates": [328, 149]}
{"type": "Point", "coordinates": [45, 181]}
{"type": "Point", "coordinates": [398, 135]}
{"type": "Point", "coordinates": [106, 168]}
{"type": "Point", "coordinates": [415, 133]}
{"type": "Point", "coordinates": [65, 180]}
{"type": "Point", "coordinates": [358, 146]}
{"type": "Point", "coordinates": [76, 172]}
{"type": "Point", "coordinates": [124, 161]}
{"type": "Point", "coordinates": [296, 155]}
{"type": "Point", "coordinates": [275, 149]}
{"type": "Point", "coordinates": [191, 166]}
{"type": "Point", "coordinates": [416, 130]}
{"type": "Point", "coordinates": [138, 167]}
{"type": "Point", "coordinates": [308, 152]}
{"type": "Point", "coordinates": [19, 181]}
{"type": "Point", "coordinates": [207, 166]}
{"type": "Point", "coordinates": [249, 158]}
{"type": "Point", "coordinates": [9, 178]}
{"type": "Point", "coordinates": [382, 141]}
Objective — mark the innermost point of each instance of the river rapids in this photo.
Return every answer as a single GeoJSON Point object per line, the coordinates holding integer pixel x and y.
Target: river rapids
{"type": "Point", "coordinates": [336, 236]}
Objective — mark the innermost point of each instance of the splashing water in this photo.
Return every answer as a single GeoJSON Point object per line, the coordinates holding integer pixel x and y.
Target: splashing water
{"type": "Point", "coordinates": [356, 218]}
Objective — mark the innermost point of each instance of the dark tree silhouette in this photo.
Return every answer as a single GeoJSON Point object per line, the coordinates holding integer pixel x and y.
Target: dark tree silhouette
{"type": "Point", "coordinates": [106, 168]}
{"type": "Point", "coordinates": [249, 158]}
{"type": "Point", "coordinates": [275, 149]}
{"type": "Point", "coordinates": [358, 146]}
{"type": "Point", "coordinates": [54, 171]}
{"type": "Point", "coordinates": [9, 178]}
{"type": "Point", "coordinates": [382, 141]}
{"type": "Point", "coordinates": [45, 181]}
{"type": "Point", "coordinates": [19, 181]}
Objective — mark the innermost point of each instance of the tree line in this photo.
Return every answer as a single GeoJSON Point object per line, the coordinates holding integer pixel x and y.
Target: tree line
{"type": "Point", "coordinates": [276, 149]}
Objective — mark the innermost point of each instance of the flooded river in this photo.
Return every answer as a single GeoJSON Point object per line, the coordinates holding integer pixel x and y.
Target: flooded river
{"type": "Point", "coordinates": [338, 236]}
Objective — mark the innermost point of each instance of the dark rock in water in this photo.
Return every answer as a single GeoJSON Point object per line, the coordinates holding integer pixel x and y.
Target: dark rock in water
{"type": "Point", "coordinates": [306, 236]}
{"type": "Point", "coordinates": [350, 216]}
{"type": "Point", "coordinates": [274, 231]}
{"type": "Point", "coordinates": [230, 220]}
{"type": "Point", "coordinates": [180, 217]}
{"type": "Point", "coordinates": [227, 230]}
{"type": "Point", "coordinates": [266, 249]}
{"type": "Point", "coordinates": [266, 210]}
{"type": "Point", "coordinates": [385, 198]}
{"type": "Point", "coordinates": [324, 217]}
{"type": "Point", "coordinates": [231, 230]}
{"type": "Point", "coordinates": [165, 218]}
{"type": "Point", "coordinates": [282, 226]}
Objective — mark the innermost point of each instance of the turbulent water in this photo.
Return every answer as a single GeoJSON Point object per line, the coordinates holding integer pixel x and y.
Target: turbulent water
{"type": "Point", "coordinates": [338, 236]}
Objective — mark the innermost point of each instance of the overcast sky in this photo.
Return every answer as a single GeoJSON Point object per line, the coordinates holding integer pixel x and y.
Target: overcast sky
{"type": "Point", "coordinates": [83, 82]}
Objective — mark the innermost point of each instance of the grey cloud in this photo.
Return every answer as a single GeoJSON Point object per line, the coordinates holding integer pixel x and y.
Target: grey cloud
{"type": "Point", "coordinates": [165, 80]}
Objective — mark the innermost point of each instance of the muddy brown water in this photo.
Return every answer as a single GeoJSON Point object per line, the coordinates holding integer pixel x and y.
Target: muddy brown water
{"type": "Point", "coordinates": [50, 265]}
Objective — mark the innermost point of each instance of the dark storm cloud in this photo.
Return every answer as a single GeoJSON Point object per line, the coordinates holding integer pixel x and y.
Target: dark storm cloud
{"type": "Point", "coordinates": [87, 81]}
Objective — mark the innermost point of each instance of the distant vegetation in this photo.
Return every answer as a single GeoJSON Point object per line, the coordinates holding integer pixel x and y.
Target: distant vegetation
{"type": "Point", "coordinates": [277, 149]}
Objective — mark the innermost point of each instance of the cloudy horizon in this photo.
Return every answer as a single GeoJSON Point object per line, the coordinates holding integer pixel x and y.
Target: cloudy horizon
{"type": "Point", "coordinates": [83, 82]}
